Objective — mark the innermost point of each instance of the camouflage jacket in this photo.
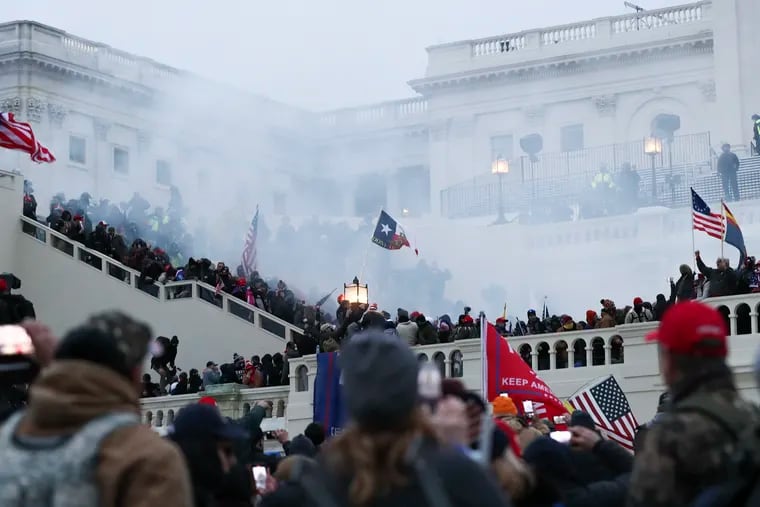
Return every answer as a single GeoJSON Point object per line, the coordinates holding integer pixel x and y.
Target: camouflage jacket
{"type": "Point", "coordinates": [685, 452]}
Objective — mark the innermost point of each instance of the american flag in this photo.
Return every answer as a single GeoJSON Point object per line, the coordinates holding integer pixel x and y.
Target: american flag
{"type": "Point", "coordinates": [703, 219]}
{"type": "Point", "coordinates": [16, 135]}
{"type": "Point", "coordinates": [607, 405]}
{"type": "Point", "coordinates": [248, 259]}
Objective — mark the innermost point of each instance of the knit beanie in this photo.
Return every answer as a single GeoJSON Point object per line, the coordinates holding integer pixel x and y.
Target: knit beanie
{"type": "Point", "coordinates": [503, 405]}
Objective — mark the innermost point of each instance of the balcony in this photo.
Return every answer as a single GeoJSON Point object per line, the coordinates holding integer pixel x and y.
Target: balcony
{"type": "Point", "coordinates": [689, 22]}
{"type": "Point", "coordinates": [398, 113]}
{"type": "Point", "coordinates": [565, 361]}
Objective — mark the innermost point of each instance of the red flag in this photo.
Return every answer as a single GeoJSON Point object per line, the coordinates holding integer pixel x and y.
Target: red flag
{"type": "Point", "coordinates": [16, 135]}
{"type": "Point", "coordinates": [507, 373]}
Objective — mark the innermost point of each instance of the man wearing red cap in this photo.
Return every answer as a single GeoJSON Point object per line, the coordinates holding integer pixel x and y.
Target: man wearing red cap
{"type": "Point", "coordinates": [638, 313]}
{"type": "Point", "coordinates": [692, 446]}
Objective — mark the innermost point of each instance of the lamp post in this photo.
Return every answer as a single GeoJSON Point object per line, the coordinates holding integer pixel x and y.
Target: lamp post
{"type": "Point", "coordinates": [500, 167]}
{"type": "Point", "coordinates": [356, 293]}
{"type": "Point", "coordinates": [653, 147]}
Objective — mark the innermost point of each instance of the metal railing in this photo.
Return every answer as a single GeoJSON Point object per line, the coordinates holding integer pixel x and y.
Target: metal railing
{"type": "Point", "coordinates": [168, 292]}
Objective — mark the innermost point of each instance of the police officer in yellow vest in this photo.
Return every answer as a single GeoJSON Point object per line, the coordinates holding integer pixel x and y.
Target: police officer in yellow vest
{"type": "Point", "coordinates": [603, 180]}
{"type": "Point", "coordinates": [756, 132]}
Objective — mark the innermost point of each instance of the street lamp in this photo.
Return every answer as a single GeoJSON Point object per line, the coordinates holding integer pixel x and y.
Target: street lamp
{"type": "Point", "coordinates": [653, 147]}
{"type": "Point", "coordinates": [356, 293]}
{"type": "Point", "coordinates": [500, 167]}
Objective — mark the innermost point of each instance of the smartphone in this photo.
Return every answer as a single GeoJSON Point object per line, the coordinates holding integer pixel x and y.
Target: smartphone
{"type": "Point", "coordinates": [560, 419]}
{"type": "Point", "coordinates": [260, 477]}
{"type": "Point", "coordinates": [17, 364]}
{"type": "Point", "coordinates": [563, 437]}
{"type": "Point", "coordinates": [528, 407]}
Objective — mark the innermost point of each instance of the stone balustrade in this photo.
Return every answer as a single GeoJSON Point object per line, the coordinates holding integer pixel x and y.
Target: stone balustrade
{"type": "Point", "coordinates": [162, 293]}
{"type": "Point", "coordinates": [454, 58]}
{"type": "Point", "coordinates": [399, 112]}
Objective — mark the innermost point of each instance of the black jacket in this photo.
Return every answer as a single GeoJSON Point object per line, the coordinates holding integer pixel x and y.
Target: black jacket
{"type": "Point", "coordinates": [462, 480]}
{"type": "Point", "coordinates": [722, 283]}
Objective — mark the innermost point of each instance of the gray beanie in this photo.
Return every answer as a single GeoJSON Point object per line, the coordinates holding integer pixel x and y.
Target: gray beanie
{"type": "Point", "coordinates": [379, 380]}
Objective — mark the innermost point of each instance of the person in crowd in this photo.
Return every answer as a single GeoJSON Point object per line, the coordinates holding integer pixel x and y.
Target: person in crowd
{"type": "Point", "coordinates": [535, 326]}
{"type": "Point", "coordinates": [722, 278]}
{"type": "Point", "coordinates": [194, 382]}
{"type": "Point", "coordinates": [211, 375]}
{"type": "Point", "coordinates": [181, 385]}
{"type": "Point", "coordinates": [390, 453]}
{"type": "Point", "coordinates": [600, 460]}
{"type": "Point", "coordinates": [206, 440]}
{"type": "Point", "coordinates": [291, 352]}
{"type": "Point", "coordinates": [728, 167]}
{"type": "Point", "coordinates": [162, 362]}
{"type": "Point", "coordinates": [316, 433]}
{"type": "Point", "coordinates": [683, 289]}
{"type": "Point", "coordinates": [149, 388]}
{"type": "Point", "coordinates": [405, 328]}
{"type": "Point", "coordinates": [641, 432]}
{"type": "Point", "coordinates": [84, 412]}
{"type": "Point", "coordinates": [426, 332]}
{"type": "Point", "coordinates": [660, 305]}
{"type": "Point", "coordinates": [638, 314]}
{"type": "Point", "coordinates": [693, 445]}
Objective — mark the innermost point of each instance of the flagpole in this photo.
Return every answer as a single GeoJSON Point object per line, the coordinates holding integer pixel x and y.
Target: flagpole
{"type": "Point", "coordinates": [366, 250]}
{"type": "Point", "coordinates": [483, 358]}
{"type": "Point", "coordinates": [723, 237]}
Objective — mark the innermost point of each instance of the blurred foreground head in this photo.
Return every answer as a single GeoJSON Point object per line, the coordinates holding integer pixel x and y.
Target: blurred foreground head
{"type": "Point", "coordinates": [111, 339]}
{"type": "Point", "coordinates": [379, 381]}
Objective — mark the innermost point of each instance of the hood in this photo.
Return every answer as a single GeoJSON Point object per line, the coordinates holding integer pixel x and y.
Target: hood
{"type": "Point", "coordinates": [70, 392]}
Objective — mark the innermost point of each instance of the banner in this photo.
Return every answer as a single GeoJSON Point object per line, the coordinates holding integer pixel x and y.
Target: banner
{"type": "Point", "coordinates": [329, 409]}
{"type": "Point", "coordinates": [507, 373]}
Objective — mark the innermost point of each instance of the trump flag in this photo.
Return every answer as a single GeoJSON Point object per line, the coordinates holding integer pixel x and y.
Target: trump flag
{"type": "Point", "coordinates": [329, 409]}
{"type": "Point", "coordinates": [507, 373]}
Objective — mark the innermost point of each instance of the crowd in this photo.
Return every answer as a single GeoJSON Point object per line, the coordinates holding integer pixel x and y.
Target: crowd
{"type": "Point", "coordinates": [411, 439]}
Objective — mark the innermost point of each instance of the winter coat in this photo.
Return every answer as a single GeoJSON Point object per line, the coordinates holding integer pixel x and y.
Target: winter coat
{"type": "Point", "coordinates": [722, 283]}
{"type": "Point", "coordinates": [408, 331]}
{"type": "Point", "coordinates": [426, 333]}
{"type": "Point", "coordinates": [683, 289]}
{"type": "Point", "coordinates": [135, 466]}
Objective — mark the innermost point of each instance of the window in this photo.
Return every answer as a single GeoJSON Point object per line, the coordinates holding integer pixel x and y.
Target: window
{"type": "Point", "coordinates": [77, 150]}
{"type": "Point", "coordinates": [163, 173]}
{"type": "Point", "coordinates": [121, 160]}
{"type": "Point", "coordinates": [571, 138]}
{"type": "Point", "coordinates": [501, 147]}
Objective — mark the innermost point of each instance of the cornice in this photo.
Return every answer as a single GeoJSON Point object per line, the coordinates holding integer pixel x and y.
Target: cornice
{"type": "Point", "coordinates": [565, 65]}
{"type": "Point", "coordinates": [71, 70]}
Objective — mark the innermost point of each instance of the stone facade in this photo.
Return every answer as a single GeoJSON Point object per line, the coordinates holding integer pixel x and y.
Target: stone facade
{"type": "Point", "coordinates": [591, 83]}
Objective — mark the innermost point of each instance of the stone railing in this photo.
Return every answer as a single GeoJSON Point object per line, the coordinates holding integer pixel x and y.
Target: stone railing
{"type": "Point", "coordinates": [453, 56]}
{"type": "Point", "coordinates": [166, 293]}
{"type": "Point", "coordinates": [400, 111]}
{"type": "Point", "coordinates": [567, 358]}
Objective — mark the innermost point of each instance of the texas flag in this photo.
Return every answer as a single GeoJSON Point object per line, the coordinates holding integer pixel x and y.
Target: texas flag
{"type": "Point", "coordinates": [389, 234]}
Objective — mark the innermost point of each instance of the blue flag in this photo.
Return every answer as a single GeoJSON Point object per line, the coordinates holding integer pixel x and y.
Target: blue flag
{"type": "Point", "coordinates": [329, 409]}
{"type": "Point", "coordinates": [734, 234]}
{"type": "Point", "coordinates": [389, 234]}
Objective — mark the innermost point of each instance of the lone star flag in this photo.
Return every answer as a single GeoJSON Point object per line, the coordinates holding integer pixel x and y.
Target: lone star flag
{"type": "Point", "coordinates": [608, 407]}
{"type": "Point", "coordinates": [16, 135]}
{"type": "Point", "coordinates": [508, 373]}
{"type": "Point", "coordinates": [389, 234]}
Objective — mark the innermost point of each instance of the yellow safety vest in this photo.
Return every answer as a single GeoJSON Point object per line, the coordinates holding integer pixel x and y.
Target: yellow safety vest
{"type": "Point", "coordinates": [602, 179]}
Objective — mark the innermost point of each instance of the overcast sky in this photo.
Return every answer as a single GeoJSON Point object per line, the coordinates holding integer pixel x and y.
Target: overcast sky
{"type": "Point", "coordinates": [318, 54]}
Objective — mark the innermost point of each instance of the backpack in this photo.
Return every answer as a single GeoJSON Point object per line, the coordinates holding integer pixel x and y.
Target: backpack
{"type": "Point", "coordinates": [58, 471]}
{"type": "Point", "coordinates": [742, 489]}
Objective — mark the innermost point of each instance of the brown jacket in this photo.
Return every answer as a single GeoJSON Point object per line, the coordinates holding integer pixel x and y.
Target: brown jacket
{"type": "Point", "coordinates": [136, 467]}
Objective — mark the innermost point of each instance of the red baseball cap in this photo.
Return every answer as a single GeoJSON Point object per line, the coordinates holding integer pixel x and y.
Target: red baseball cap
{"type": "Point", "coordinates": [692, 329]}
{"type": "Point", "coordinates": [207, 400]}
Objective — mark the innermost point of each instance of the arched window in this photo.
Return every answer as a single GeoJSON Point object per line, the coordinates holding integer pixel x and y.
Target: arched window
{"type": "Point", "coordinates": [439, 358]}
{"type": "Point", "coordinates": [302, 379]}
{"type": "Point", "coordinates": [246, 408]}
{"type": "Point", "coordinates": [743, 320]}
{"type": "Point", "coordinates": [560, 348]}
{"type": "Point", "coordinates": [149, 418]}
{"type": "Point", "coordinates": [526, 352]}
{"type": "Point", "coordinates": [422, 358]}
{"type": "Point", "coordinates": [725, 312]}
{"type": "Point", "coordinates": [160, 417]}
{"type": "Point", "coordinates": [270, 408]}
{"type": "Point", "coordinates": [280, 408]}
{"type": "Point", "coordinates": [170, 417]}
{"type": "Point", "coordinates": [616, 350]}
{"type": "Point", "coordinates": [597, 351]}
{"type": "Point", "coordinates": [457, 364]}
{"type": "Point", "coordinates": [579, 348]}
{"type": "Point", "coordinates": [543, 356]}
